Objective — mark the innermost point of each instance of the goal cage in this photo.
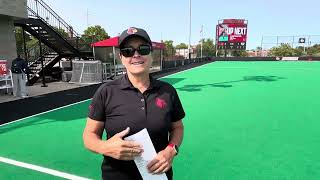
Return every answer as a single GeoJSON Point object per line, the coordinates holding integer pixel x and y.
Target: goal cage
{"type": "Point", "coordinates": [90, 72]}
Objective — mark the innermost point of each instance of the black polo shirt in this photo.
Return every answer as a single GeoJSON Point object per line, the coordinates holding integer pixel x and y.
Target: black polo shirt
{"type": "Point", "coordinates": [120, 105]}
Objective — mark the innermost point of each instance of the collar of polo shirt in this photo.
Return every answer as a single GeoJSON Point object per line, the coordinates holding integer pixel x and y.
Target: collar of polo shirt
{"type": "Point", "coordinates": [125, 83]}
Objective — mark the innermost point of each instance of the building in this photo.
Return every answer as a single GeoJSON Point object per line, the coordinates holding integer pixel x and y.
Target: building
{"type": "Point", "coordinates": [185, 53]}
{"type": "Point", "coordinates": [10, 10]}
{"type": "Point", "coordinates": [258, 53]}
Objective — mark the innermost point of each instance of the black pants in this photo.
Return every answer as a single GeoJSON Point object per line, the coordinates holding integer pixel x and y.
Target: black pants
{"type": "Point", "coordinates": [109, 173]}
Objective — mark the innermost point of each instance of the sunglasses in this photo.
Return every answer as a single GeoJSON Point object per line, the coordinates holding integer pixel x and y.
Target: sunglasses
{"type": "Point", "coordinates": [142, 50]}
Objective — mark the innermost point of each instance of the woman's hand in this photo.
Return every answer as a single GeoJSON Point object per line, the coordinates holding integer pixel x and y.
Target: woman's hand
{"type": "Point", "coordinates": [120, 149]}
{"type": "Point", "coordinates": [162, 162]}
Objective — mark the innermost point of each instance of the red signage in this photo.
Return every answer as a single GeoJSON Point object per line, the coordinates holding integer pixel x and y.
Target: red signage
{"type": "Point", "coordinates": [232, 34]}
{"type": "Point", "coordinates": [234, 21]}
{"type": "Point", "coordinates": [3, 67]}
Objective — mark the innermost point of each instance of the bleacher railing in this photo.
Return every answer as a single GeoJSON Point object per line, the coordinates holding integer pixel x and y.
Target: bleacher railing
{"type": "Point", "coordinates": [39, 9]}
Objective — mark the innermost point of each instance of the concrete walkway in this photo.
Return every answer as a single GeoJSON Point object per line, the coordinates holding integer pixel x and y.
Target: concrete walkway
{"type": "Point", "coordinates": [37, 90]}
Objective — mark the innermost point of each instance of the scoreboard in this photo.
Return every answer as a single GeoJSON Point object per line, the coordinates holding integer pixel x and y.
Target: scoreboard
{"type": "Point", "coordinates": [232, 34]}
{"type": "Point", "coordinates": [231, 45]}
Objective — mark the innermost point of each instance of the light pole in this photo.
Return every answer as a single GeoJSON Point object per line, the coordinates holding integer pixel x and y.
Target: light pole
{"type": "Point", "coordinates": [189, 30]}
{"type": "Point", "coordinates": [87, 17]}
{"type": "Point", "coordinates": [201, 40]}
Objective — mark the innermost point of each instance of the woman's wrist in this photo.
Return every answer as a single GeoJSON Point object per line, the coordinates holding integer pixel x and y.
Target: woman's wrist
{"type": "Point", "coordinates": [171, 150]}
{"type": "Point", "coordinates": [102, 147]}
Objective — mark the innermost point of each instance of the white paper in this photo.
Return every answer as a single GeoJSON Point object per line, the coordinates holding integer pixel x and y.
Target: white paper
{"type": "Point", "coordinates": [148, 154]}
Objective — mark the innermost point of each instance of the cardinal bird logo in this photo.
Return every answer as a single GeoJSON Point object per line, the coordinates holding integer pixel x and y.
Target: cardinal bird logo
{"type": "Point", "coordinates": [132, 30]}
{"type": "Point", "coordinates": [161, 103]}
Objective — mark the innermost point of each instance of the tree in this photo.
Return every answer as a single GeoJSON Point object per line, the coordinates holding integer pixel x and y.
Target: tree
{"type": "Point", "coordinates": [169, 50]}
{"type": "Point", "coordinates": [61, 31]}
{"type": "Point", "coordinates": [208, 48]}
{"type": "Point", "coordinates": [299, 51]}
{"type": "Point", "coordinates": [283, 50]}
{"type": "Point", "coordinates": [32, 44]}
{"type": "Point", "coordinates": [313, 50]}
{"type": "Point", "coordinates": [241, 53]}
{"type": "Point", "coordinates": [182, 46]}
{"type": "Point", "coordinates": [93, 34]}
{"type": "Point", "coordinates": [19, 39]}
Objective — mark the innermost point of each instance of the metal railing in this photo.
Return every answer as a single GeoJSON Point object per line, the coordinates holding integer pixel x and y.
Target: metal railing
{"type": "Point", "coordinates": [33, 52]}
{"type": "Point", "coordinates": [39, 9]}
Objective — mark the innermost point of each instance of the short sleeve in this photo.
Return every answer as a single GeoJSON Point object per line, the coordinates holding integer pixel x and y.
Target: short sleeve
{"type": "Point", "coordinates": [97, 106]}
{"type": "Point", "coordinates": [177, 112]}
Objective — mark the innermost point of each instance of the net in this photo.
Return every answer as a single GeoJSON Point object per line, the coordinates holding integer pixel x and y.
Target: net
{"type": "Point", "coordinates": [90, 72]}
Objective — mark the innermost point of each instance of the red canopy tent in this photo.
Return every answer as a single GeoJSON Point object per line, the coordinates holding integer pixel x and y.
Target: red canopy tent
{"type": "Point", "coordinates": [113, 42]}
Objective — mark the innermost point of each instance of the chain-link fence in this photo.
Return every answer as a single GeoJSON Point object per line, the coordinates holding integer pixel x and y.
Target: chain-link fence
{"type": "Point", "coordinates": [268, 42]}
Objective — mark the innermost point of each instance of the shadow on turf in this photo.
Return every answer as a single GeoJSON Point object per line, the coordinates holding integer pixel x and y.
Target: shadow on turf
{"type": "Point", "coordinates": [46, 118]}
{"type": "Point", "coordinates": [226, 84]}
{"type": "Point", "coordinates": [172, 80]}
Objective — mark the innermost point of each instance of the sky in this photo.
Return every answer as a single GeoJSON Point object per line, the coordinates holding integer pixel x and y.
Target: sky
{"type": "Point", "coordinates": [169, 19]}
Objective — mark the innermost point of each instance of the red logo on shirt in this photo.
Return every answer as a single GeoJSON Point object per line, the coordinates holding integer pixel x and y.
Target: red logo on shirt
{"type": "Point", "coordinates": [161, 103]}
{"type": "Point", "coordinates": [91, 107]}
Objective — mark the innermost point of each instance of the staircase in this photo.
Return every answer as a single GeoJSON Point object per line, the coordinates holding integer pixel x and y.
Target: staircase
{"type": "Point", "coordinates": [48, 36]}
{"type": "Point", "coordinates": [58, 39]}
{"type": "Point", "coordinates": [49, 60]}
